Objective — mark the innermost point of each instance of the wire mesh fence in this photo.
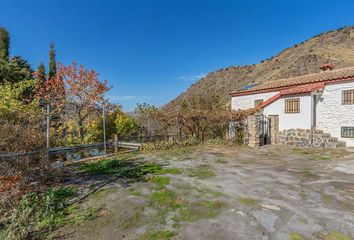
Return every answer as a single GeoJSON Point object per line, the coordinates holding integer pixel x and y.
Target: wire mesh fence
{"type": "Point", "coordinates": [32, 139]}
{"type": "Point", "coordinates": [29, 139]}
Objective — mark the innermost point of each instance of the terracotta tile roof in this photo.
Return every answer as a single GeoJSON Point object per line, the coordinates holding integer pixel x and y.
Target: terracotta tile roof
{"type": "Point", "coordinates": [325, 76]}
{"type": "Point", "coordinates": [306, 88]}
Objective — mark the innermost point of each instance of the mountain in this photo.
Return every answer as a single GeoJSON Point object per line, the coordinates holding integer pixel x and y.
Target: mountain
{"type": "Point", "coordinates": [335, 47]}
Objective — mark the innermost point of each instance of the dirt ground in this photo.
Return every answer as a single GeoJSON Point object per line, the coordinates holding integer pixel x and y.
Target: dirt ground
{"type": "Point", "coordinates": [228, 192]}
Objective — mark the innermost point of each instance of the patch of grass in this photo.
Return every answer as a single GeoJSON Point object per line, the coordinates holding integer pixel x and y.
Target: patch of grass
{"type": "Point", "coordinates": [134, 192]}
{"type": "Point", "coordinates": [220, 160]}
{"type": "Point", "coordinates": [295, 236]}
{"type": "Point", "coordinates": [200, 210]}
{"type": "Point", "coordinates": [88, 214]}
{"type": "Point", "coordinates": [157, 235]}
{"type": "Point", "coordinates": [216, 141]}
{"type": "Point", "coordinates": [247, 201]}
{"type": "Point", "coordinates": [160, 216]}
{"type": "Point", "coordinates": [177, 152]}
{"type": "Point", "coordinates": [315, 154]}
{"type": "Point", "coordinates": [303, 150]}
{"type": "Point", "coordinates": [39, 212]}
{"type": "Point", "coordinates": [210, 193]}
{"type": "Point", "coordinates": [133, 219]}
{"type": "Point", "coordinates": [166, 198]}
{"type": "Point", "coordinates": [125, 168]}
{"type": "Point", "coordinates": [320, 157]}
{"type": "Point", "coordinates": [173, 171]}
{"type": "Point", "coordinates": [307, 173]}
{"type": "Point", "coordinates": [103, 192]}
{"type": "Point", "coordinates": [202, 172]}
{"type": "Point", "coordinates": [347, 205]}
{"type": "Point", "coordinates": [326, 199]}
{"type": "Point", "coordinates": [337, 236]}
{"type": "Point", "coordinates": [160, 181]}
{"type": "Point", "coordinates": [177, 226]}
{"type": "Point", "coordinates": [334, 236]}
{"type": "Point", "coordinates": [103, 167]}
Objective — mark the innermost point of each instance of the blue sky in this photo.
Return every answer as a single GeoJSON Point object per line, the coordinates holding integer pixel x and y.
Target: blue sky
{"type": "Point", "coordinates": [151, 51]}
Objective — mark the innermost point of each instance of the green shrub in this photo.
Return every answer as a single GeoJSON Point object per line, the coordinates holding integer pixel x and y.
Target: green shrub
{"type": "Point", "coordinates": [104, 167]}
{"type": "Point", "coordinates": [166, 145]}
{"type": "Point", "coordinates": [216, 141]}
{"type": "Point", "coordinates": [37, 212]}
{"type": "Point", "coordinates": [126, 169]}
{"type": "Point", "coordinates": [157, 235]}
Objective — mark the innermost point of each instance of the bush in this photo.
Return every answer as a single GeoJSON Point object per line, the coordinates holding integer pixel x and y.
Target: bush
{"type": "Point", "coordinates": [38, 212]}
{"type": "Point", "coordinates": [166, 145]}
{"type": "Point", "coordinates": [216, 141]}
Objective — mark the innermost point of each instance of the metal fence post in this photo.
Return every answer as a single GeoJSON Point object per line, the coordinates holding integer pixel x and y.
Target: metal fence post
{"type": "Point", "coordinates": [104, 131]}
{"type": "Point", "coordinates": [48, 131]}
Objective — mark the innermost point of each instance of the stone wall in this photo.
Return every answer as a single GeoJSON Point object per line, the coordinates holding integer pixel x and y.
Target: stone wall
{"type": "Point", "coordinates": [295, 137]}
{"type": "Point", "coordinates": [308, 138]}
{"type": "Point", "coordinates": [253, 135]}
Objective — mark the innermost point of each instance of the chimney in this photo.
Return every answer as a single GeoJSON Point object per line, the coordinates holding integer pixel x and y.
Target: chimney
{"type": "Point", "coordinates": [327, 67]}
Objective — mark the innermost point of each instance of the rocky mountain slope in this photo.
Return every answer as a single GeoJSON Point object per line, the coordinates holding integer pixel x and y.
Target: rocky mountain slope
{"type": "Point", "coordinates": [335, 47]}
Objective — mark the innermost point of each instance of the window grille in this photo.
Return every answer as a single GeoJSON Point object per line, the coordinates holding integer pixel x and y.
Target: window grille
{"type": "Point", "coordinates": [347, 132]}
{"type": "Point", "coordinates": [347, 97]}
{"type": "Point", "coordinates": [292, 105]}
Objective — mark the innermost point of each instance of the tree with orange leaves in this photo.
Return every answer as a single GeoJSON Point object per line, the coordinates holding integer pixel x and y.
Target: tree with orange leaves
{"type": "Point", "coordinates": [84, 93]}
{"type": "Point", "coordinates": [77, 90]}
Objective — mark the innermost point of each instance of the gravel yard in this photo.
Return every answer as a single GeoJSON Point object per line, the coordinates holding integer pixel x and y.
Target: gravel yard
{"type": "Point", "coordinates": [227, 192]}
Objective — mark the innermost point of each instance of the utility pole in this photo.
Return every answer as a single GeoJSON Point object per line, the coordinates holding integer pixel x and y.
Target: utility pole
{"type": "Point", "coordinates": [104, 131]}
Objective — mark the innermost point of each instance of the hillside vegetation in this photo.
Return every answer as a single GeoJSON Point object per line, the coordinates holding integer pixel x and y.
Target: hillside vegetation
{"type": "Point", "coordinates": [336, 47]}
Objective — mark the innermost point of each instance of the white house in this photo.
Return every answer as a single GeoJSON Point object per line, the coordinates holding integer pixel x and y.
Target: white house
{"type": "Point", "coordinates": [322, 101]}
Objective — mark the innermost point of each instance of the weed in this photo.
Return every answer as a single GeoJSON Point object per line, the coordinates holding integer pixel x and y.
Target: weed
{"type": "Point", "coordinates": [134, 193]}
{"type": "Point", "coordinates": [124, 168]}
{"type": "Point", "coordinates": [160, 216]}
{"type": "Point", "coordinates": [337, 236]}
{"type": "Point", "coordinates": [247, 201]}
{"type": "Point", "coordinates": [295, 236]}
{"type": "Point", "coordinates": [103, 167]}
{"type": "Point", "coordinates": [166, 198]}
{"type": "Point", "coordinates": [216, 141]}
{"type": "Point", "coordinates": [333, 236]}
{"type": "Point", "coordinates": [320, 157]}
{"type": "Point", "coordinates": [87, 214]}
{"type": "Point", "coordinates": [173, 171]}
{"type": "Point", "coordinates": [326, 199]}
{"type": "Point", "coordinates": [39, 211]}
{"type": "Point", "coordinates": [177, 226]}
{"type": "Point", "coordinates": [133, 219]}
{"type": "Point", "coordinates": [157, 235]}
{"type": "Point", "coordinates": [208, 192]}
{"type": "Point", "coordinates": [160, 181]}
{"type": "Point", "coordinates": [103, 192]}
{"type": "Point", "coordinates": [315, 154]}
{"type": "Point", "coordinates": [200, 210]}
{"type": "Point", "coordinates": [202, 172]}
{"type": "Point", "coordinates": [168, 145]}
{"type": "Point", "coordinates": [307, 173]}
{"type": "Point", "coordinates": [220, 160]}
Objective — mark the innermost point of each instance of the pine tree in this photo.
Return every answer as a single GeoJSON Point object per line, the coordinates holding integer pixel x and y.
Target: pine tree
{"type": "Point", "coordinates": [41, 73]}
{"type": "Point", "coordinates": [52, 61]}
{"type": "Point", "coordinates": [4, 44]}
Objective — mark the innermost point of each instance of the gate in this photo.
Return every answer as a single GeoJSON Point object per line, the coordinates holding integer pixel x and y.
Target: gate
{"type": "Point", "coordinates": [264, 129]}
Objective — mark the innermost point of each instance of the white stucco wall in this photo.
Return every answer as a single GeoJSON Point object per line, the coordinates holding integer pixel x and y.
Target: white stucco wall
{"type": "Point", "coordinates": [332, 115]}
{"type": "Point", "coordinates": [291, 120]}
{"type": "Point", "coordinates": [286, 120]}
{"type": "Point", "coordinates": [246, 102]}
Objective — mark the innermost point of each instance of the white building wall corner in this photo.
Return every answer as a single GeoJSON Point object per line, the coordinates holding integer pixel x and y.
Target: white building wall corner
{"type": "Point", "coordinates": [332, 115]}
